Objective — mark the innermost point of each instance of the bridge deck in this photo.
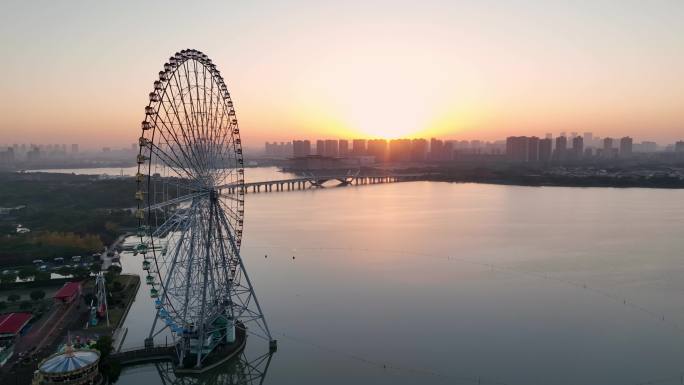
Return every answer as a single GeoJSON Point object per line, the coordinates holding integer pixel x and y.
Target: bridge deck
{"type": "Point", "coordinates": [317, 181]}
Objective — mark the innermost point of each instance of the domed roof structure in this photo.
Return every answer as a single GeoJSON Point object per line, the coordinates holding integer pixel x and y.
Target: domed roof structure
{"type": "Point", "coordinates": [69, 361]}
{"type": "Point", "coordinates": [71, 367]}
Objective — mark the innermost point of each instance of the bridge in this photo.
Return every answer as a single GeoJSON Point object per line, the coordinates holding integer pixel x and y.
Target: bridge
{"type": "Point", "coordinates": [311, 180]}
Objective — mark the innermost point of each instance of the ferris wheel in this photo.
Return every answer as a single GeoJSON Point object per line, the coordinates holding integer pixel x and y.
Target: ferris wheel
{"type": "Point", "coordinates": [190, 197]}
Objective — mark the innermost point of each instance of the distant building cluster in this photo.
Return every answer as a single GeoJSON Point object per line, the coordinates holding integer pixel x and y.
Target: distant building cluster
{"type": "Point", "coordinates": [575, 147]}
{"type": "Point", "coordinates": [35, 154]}
{"type": "Point", "coordinates": [282, 149]}
{"type": "Point", "coordinates": [515, 148]}
{"type": "Point", "coordinates": [394, 150]}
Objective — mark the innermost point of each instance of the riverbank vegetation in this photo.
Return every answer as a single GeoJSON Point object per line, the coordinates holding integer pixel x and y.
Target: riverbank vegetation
{"type": "Point", "coordinates": [66, 214]}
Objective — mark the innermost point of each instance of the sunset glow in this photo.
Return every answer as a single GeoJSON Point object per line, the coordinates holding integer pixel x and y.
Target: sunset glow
{"type": "Point", "coordinates": [383, 69]}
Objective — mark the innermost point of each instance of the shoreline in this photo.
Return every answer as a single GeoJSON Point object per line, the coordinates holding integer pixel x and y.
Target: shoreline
{"type": "Point", "coordinates": [569, 182]}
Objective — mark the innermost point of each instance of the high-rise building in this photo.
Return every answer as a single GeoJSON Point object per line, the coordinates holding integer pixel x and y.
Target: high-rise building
{"type": "Point", "coordinates": [343, 147]}
{"type": "Point", "coordinates": [437, 150]}
{"type": "Point", "coordinates": [419, 150]}
{"type": "Point", "coordinates": [74, 148]}
{"type": "Point", "coordinates": [33, 154]}
{"type": "Point", "coordinates": [588, 139]}
{"type": "Point", "coordinates": [320, 147]}
{"type": "Point", "coordinates": [560, 152]}
{"type": "Point", "coordinates": [448, 151]}
{"type": "Point", "coordinates": [359, 146]}
{"type": "Point", "coordinates": [378, 149]}
{"type": "Point", "coordinates": [400, 150]}
{"type": "Point", "coordinates": [545, 149]}
{"type": "Point", "coordinates": [608, 151]}
{"type": "Point", "coordinates": [331, 148]}
{"type": "Point", "coordinates": [517, 148]}
{"type": "Point", "coordinates": [577, 147]}
{"type": "Point", "coordinates": [7, 155]}
{"type": "Point", "coordinates": [647, 147]}
{"type": "Point", "coordinates": [607, 144]}
{"type": "Point", "coordinates": [276, 149]}
{"type": "Point", "coordinates": [533, 149]}
{"type": "Point", "coordinates": [626, 147]}
{"type": "Point", "coordinates": [679, 146]}
{"type": "Point", "coordinates": [301, 148]}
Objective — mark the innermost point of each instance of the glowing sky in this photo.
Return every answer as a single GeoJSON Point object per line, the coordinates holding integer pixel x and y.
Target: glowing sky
{"type": "Point", "coordinates": [80, 72]}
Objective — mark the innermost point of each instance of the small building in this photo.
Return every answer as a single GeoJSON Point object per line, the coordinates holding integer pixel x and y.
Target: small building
{"type": "Point", "coordinates": [11, 325]}
{"type": "Point", "coordinates": [68, 293]}
{"type": "Point", "coordinates": [74, 366]}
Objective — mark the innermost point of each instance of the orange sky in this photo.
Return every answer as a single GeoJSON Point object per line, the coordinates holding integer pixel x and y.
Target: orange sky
{"type": "Point", "coordinates": [80, 72]}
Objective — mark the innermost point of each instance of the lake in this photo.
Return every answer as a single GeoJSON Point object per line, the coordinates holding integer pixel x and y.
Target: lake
{"type": "Point", "coordinates": [431, 283]}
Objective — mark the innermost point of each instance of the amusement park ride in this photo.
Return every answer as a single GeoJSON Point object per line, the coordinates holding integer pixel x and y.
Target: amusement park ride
{"type": "Point", "coordinates": [98, 305]}
{"type": "Point", "coordinates": [190, 194]}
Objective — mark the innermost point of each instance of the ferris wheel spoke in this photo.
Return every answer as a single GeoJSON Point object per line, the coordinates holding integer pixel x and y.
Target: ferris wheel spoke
{"type": "Point", "coordinates": [168, 126]}
{"type": "Point", "coordinates": [192, 119]}
{"type": "Point", "coordinates": [233, 198]}
{"type": "Point", "coordinates": [171, 162]}
{"type": "Point", "coordinates": [177, 201]}
{"type": "Point", "coordinates": [192, 158]}
{"type": "Point", "coordinates": [173, 141]}
{"type": "Point", "coordinates": [188, 142]}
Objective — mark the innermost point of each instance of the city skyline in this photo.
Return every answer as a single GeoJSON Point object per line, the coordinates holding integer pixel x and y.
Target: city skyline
{"type": "Point", "coordinates": [381, 69]}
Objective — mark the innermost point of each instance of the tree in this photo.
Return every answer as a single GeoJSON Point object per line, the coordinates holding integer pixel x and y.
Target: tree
{"type": "Point", "coordinates": [111, 369]}
{"type": "Point", "coordinates": [96, 267]}
{"type": "Point", "coordinates": [81, 273]}
{"type": "Point", "coordinates": [112, 227]}
{"type": "Point", "coordinates": [88, 298]}
{"type": "Point", "coordinates": [114, 269]}
{"type": "Point", "coordinates": [104, 345]}
{"type": "Point", "coordinates": [3, 305]}
{"type": "Point", "coordinates": [8, 278]}
{"type": "Point", "coordinates": [42, 276]}
{"type": "Point", "coordinates": [25, 305]}
{"type": "Point", "coordinates": [37, 295]}
{"type": "Point", "coordinates": [27, 272]}
{"type": "Point", "coordinates": [66, 271]}
{"type": "Point", "coordinates": [13, 298]}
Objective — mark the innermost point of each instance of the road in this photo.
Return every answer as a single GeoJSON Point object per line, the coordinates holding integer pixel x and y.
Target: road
{"type": "Point", "coordinates": [106, 259]}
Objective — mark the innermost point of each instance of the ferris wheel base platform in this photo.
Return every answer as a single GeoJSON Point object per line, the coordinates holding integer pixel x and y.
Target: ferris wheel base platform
{"type": "Point", "coordinates": [218, 356]}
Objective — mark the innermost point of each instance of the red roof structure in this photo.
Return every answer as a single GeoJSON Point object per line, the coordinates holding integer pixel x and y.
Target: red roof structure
{"type": "Point", "coordinates": [12, 323]}
{"type": "Point", "coordinates": [68, 292]}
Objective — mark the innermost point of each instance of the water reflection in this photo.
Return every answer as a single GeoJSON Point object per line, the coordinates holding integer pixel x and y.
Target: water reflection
{"type": "Point", "coordinates": [239, 371]}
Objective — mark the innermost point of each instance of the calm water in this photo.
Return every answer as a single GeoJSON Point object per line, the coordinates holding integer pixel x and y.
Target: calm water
{"type": "Point", "coordinates": [436, 283]}
{"type": "Point", "coordinates": [252, 174]}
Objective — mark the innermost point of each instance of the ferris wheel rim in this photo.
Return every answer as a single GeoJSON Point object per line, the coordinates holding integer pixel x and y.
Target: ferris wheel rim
{"type": "Point", "coordinates": [202, 188]}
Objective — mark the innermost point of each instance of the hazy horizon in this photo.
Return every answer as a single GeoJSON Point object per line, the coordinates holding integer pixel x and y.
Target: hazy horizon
{"type": "Point", "coordinates": [80, 72]}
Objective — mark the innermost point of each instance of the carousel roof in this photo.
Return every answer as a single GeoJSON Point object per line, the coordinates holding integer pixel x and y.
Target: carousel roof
{"type": "Point", "coordinates": [69, 361]}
